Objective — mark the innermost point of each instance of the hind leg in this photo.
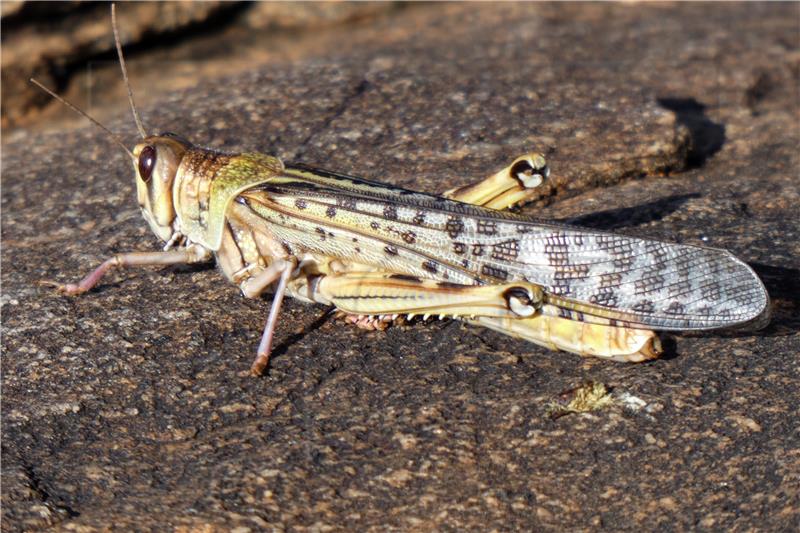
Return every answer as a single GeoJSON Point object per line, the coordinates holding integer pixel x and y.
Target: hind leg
{"type": "Point", "coordinates": [518, 309]}
{"type": "Point", "coordinates": [518, 183]}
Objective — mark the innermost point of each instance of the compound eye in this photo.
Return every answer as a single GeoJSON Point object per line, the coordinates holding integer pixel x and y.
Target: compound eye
{"type": "Point", "coordinates": [147, 161]}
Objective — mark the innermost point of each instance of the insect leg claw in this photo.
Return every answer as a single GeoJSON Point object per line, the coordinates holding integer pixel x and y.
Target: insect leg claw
{"type": "Point", "coordinates": [70, 289]}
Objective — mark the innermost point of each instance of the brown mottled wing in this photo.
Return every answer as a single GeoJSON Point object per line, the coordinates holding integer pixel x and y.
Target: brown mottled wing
{"type": "Point", "coordinates": [648, 283]}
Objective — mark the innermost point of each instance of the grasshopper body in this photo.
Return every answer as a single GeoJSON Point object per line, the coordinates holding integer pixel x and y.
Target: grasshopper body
{"type": "Point", "coordinates": [377, 252]}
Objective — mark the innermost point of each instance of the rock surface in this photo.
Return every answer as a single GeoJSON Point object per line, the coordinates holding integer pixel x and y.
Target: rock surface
{"type": "Point", "coordinates": [131, 406]}
{"type": "Point", "coordinates": [169, 45]}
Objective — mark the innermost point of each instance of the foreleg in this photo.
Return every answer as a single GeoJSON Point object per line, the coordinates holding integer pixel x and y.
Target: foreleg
{"type": "Point", "coordinates": [184, 256]}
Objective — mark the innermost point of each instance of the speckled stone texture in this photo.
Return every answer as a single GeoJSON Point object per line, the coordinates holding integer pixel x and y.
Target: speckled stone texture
{"type": "Point", "coordinates": [131, 406]}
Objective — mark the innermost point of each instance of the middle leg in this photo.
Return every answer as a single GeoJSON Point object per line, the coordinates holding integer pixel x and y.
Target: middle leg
{"type": "Point", "coordinates": [281, 270]}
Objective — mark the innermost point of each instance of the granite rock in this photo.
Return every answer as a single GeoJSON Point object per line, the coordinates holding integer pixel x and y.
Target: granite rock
{"type": "Point", "coordinates": [131, 406]}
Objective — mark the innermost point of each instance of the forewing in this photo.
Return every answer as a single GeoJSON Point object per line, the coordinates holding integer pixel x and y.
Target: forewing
{"type": "Point", "coordinates": [642, 282]}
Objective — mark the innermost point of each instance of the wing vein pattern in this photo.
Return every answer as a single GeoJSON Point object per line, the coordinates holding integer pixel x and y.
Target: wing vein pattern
{"type": "Point", "coordinates": [642, 282]}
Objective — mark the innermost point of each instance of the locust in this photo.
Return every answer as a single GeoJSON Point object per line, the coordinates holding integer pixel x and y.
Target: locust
{"type": "Point", "coordinates": [376, 252]}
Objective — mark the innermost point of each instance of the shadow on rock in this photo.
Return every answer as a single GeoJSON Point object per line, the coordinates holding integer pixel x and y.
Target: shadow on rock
{"type": "Point", "coordinates": [706, 136]}
{"type": "Point", "coordinates": [295, 337]}
{"type": "Point", "coordinates": [783, 286]}
{"type": "Point", "coordinates": [632, 216]}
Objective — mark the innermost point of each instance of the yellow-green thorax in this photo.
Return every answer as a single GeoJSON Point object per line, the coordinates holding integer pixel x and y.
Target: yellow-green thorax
{"type": "Point", "coordinates": [187, 190]}
{"type": "Point", "coordinates": [206, 184]}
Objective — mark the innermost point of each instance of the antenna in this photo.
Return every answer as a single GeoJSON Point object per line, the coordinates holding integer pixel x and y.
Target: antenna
{"type": "Point", "coordinates": [125, 72]}
{"type": "Point", "coordinates": [85, 114]}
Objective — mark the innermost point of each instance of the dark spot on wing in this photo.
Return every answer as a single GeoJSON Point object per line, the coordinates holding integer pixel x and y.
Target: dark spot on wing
{"type": "Point", "coordinates": [390, 212]}
{"type": "Point", "coordinates": [409, 237]}
{"type": "Point", "coordinates": [610, 279]}
{"type": "Point", "coordinates": [675, 308]}
{"type": "Point", "coordinates": [487, 227]}
{"type": "Point", "coordinates": [524, 228]}
{"type": "Point", "coordinates": [430, 266]}
{"type": "Point", "coordinates": [649, 281]}
{"type": "Point", "coordinates": [604, 297]}
{"type": "Point", "coordinates": [644, 306]}
{"type": "Point", "coordinates": [506, 250]}
{"type": "Point", "coordinates": [346, 202]}
{"type": "Point", "coordinates": [405, 277]}
{"type": "Point", "coordinates": [499, 273]}
{"type": "Point", "coordinates": [454, 227]}
{"type": "Point", "coordinates": [556, 249]}
{"type": "Point", "coordinates": [712, 291]}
